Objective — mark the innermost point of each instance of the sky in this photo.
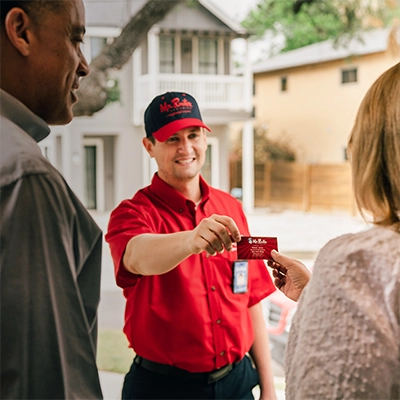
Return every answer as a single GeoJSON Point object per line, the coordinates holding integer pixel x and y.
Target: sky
{"type": "Point", "coordinates": [237, 10]}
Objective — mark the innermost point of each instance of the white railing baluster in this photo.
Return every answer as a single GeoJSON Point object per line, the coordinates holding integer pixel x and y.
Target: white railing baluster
{"type": "Point", "coordinates": [223, 92]}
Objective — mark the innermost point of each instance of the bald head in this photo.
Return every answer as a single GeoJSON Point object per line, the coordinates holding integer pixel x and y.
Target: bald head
{"type": "Point", "coordinates": [43, 62]}
{"type": "Point", "coordinates": [35, 9]}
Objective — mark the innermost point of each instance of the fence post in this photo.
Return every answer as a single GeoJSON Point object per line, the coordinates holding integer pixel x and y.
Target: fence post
{"type": "Point", "coordinates": [267, 183]}
{"type": "Point", "coordinates": [306, 187]}
{"type": "Point", "coordinates": [353, 204]}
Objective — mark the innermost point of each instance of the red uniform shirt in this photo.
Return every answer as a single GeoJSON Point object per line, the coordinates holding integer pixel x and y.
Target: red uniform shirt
{"type": "Point", "coordinates": [188, 317]}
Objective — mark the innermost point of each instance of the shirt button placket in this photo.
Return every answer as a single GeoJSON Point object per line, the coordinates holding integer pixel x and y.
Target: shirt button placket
{"type": "Point", "coordinates": [218, 322]}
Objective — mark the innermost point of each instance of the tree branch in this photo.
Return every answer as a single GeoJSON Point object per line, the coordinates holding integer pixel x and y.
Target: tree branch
{"type": "Point", "coordinates": [93, 92]}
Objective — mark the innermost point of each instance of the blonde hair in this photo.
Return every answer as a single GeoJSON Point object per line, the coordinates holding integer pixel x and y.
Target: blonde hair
{"type": "Point", "coordinates": [374, 146]}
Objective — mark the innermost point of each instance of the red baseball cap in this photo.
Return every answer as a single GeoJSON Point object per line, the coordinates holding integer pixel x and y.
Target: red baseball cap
{"type": "Point", "coordinates": [170, 112]}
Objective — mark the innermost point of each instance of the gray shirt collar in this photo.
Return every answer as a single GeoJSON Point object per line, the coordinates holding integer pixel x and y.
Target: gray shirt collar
{"type": "Point", "coordinates": [17, 112]}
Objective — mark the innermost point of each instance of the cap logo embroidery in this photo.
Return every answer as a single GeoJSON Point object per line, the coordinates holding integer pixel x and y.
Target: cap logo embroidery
{"type": "Point", "coordinates": [171, 112]}
{"type": "Point", "coordinates": [175, 104]}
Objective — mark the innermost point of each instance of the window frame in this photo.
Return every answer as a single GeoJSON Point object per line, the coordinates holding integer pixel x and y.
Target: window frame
{"type": "Point", "coordinates": [349, 75]}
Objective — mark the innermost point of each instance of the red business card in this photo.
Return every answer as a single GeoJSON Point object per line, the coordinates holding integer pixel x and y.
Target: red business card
{"type": "Point", "coordinates": [256, 247]}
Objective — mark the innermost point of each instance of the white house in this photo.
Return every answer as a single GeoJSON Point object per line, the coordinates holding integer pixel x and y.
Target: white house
{"type": "Point", "coordinates": [102, 157]}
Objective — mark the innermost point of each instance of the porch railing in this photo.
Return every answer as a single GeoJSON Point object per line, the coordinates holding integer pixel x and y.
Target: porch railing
{"type": "Point", "coordinates": [212, 92]}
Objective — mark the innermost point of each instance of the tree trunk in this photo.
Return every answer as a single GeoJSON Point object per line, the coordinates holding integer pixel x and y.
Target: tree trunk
{"type": "Point", "coordinates": [93, 92]}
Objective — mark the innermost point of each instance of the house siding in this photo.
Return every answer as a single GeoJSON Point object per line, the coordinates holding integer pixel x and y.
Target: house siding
{"type": "Point", "coordinates": [316, 113]}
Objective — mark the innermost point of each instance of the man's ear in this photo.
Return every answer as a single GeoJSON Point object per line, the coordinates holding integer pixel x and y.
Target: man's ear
{"type": "Point", "coordinates": [148, 145]}
{"type": "Point", "coordinates": [17, 27]}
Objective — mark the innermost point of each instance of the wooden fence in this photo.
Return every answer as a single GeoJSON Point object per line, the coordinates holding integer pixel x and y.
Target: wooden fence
{"type": "Point", "coordinates": [307, 187]}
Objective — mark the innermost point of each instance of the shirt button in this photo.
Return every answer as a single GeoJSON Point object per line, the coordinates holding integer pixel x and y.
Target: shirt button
{"type": "Point", "coordinates": [212, 288]}
{"type": "Point", "coordinates": [218, 321]}
{"type": "Point", "coordinates": [222, 353]}
{"type": "Point", "coordinates": [181, 210]}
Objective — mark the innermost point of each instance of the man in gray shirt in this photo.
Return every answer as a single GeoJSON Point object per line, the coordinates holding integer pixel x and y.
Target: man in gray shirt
{"type": "Point", "coordinates": [50, 246]}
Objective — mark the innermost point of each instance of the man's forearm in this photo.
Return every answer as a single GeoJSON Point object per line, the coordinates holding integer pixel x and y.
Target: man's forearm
{"type": "Point", "coordinates": [155, 254]}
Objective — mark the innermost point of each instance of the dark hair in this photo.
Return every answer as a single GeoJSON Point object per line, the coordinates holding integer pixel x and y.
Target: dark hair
{"type": "Point", "coordinates": [152, 139]}
{"type": "Point", "coordinates": [33, 8]}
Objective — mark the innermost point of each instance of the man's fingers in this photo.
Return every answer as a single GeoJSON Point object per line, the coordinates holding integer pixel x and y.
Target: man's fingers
{"type": "Point", "coordinates": [213, 246]}
{"type": "Point", "coordinates": [220, 231]}
{"type": "Point", "coordinates": [215, 234]}
{"type": "Point", "coordinates": [231, 231]}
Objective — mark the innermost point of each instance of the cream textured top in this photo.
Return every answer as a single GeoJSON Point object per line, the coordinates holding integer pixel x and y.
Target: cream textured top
{"type": "Point", "coordinates": [344, 342]}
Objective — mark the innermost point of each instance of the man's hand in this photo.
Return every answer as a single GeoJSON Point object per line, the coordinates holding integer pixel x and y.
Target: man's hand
{"type": "Point", "coordinates": [213, 235]}
{"type": "Point", "coordinates": [291, 276]}
{"type": "Point", "coordinates": [155, 254]}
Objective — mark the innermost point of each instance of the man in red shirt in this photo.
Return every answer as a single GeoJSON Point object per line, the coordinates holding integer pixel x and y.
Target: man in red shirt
{"type": "Point", "coordinates": [174, 251]}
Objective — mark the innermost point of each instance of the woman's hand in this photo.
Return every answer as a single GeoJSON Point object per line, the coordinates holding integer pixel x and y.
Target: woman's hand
{"type": "Point", "coordinates": [291, 276]}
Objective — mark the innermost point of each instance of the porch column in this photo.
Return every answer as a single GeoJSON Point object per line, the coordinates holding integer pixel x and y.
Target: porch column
{"type": "Point", "coordinates": [248, 140]}
{"type": "Point", "coordinates": [248, 73]}
{"type": "Point", "coordinates": [137, 95]}
{"type": "Point", "coordinates": [248, 167]}
{"type": "Point", "coordinates": [153, 60]}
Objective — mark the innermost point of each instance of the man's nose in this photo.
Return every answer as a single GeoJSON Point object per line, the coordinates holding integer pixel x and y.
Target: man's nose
{"type": "Point", "coordinates": [184, 145]}
{"type": "Point", "coordinates": [83, 68]}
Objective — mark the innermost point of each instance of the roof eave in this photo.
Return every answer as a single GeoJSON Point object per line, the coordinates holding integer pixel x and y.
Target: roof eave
{"type": "Point", "coordinates": [237, 28]}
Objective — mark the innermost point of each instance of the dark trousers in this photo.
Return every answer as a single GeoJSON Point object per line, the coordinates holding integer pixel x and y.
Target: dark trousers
{"type": "Point", "coordinates": [141, 383]}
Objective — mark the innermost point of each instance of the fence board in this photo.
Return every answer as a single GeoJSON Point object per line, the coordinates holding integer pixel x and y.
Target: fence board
{"type": "Point", "coordinates": [306, 187]}
{"type": "Point", "coordinates": [330, 187]}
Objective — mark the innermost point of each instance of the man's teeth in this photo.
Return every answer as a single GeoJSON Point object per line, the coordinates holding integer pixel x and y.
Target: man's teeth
{"type": "Point", "coordinates": [185, 161]}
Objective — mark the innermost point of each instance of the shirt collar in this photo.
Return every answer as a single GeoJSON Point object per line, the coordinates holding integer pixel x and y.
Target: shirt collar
{"type": "Point", "coordinates": [17, 112]}
{"type": "Point", "coordinates": [173, 198]}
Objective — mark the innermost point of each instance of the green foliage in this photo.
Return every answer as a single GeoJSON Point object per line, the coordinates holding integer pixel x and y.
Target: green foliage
{"type": "Point", "coordinates": [319, 20]}
{"type": "Point", "coordinates": [113, 91]}
{"type": "Point", "coordinates": [267, 149]}
{"type": "Point", "coordinates": [113, 353]}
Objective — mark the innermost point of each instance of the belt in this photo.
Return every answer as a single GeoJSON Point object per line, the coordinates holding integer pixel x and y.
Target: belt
{"type": "Point", "coordinates": [169, 370]}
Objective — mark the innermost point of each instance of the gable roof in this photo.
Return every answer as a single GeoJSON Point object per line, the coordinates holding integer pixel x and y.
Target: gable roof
{"type": "Point", "coordinates": [111, 13]}
{"type": "Point", "coordinates": [368, 43]}
{"type": "Point", "coordinates": [221, 15]}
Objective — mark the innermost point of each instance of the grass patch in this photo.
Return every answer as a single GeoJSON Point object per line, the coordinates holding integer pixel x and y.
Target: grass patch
{"type": "Point", "coordinates": [279, 384]}
{"type": "Point", "coordinates": [113, 353]}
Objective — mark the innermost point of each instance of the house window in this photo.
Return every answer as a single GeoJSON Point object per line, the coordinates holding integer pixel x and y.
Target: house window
{"type": "Point", "coordinates": [167, 50]}
{"type": "Point", "coordinates": [186, 56]}
{"type": "Point", "coordinates": [145, 57]}
{"type": "Point", "coordinates": [283, 83]}
{"type": "Point", "coordinates": [346, 154]}
{"type": "Point", "coordinates": [210, 170]}
{"type": "Point", "coordinates": [349, 75]}
{"type": "Point", "coordinates": [97, 44]}
{"type": "Point", "coordinates": [208, 56]}
{"type": "Point", "coordinates": [227, 58]}
{"type": "Point", "coordinates": [90, 175]}
{"type": "Point", "coordinates": [94, 174]}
